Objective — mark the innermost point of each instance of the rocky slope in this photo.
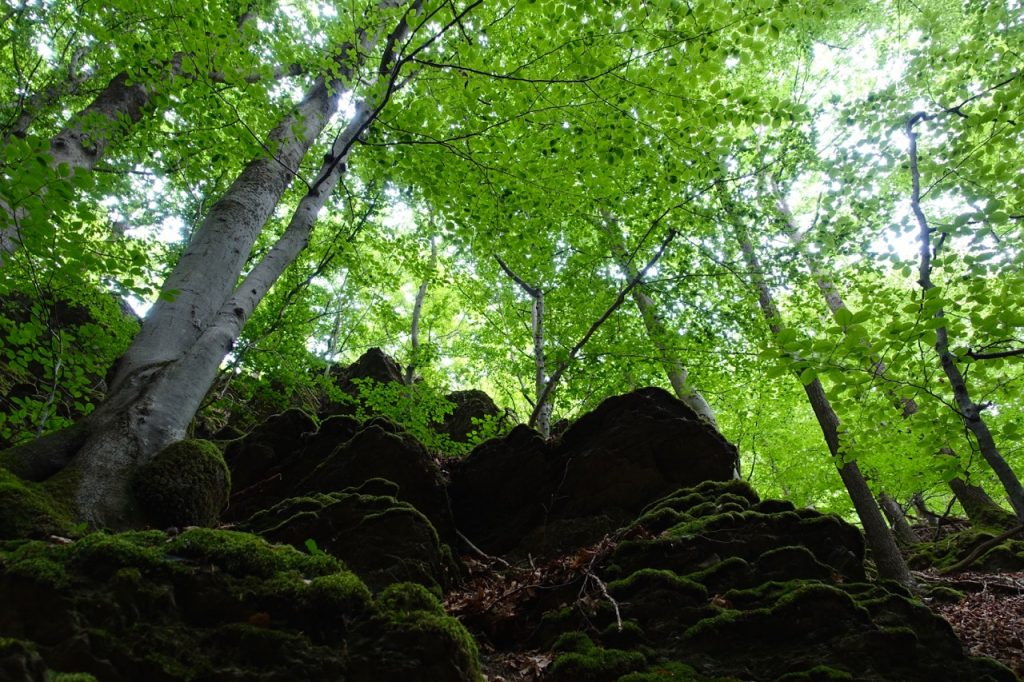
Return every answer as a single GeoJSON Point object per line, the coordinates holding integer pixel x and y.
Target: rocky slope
{"type": "Point", "coordinates": [622, 550]}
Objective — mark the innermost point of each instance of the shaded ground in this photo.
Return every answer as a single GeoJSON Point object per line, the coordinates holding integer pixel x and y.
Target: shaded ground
{"type": "Point", "coordinates": [990, 617]}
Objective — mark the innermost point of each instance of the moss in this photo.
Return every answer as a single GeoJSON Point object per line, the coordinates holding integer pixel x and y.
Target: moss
{"type": "Point", "coordinates": [73, 677]}
{"type": "Point", "coordinates": [416, 619]}
{"type": "Point", "coordinates": [28, 511]}
{"type": "Point", "coordinates": [665, 672]}
{"type": "Point", "coordinates": [583, 661]}
{"type": "Point", "coordinates": [338, 593]}
{"type": "Point", "coordinates": [796, 609]}
{"type": "Point", "coordinates": [819, 673]}
{"type": "Point", "coordinates": [38, 561]}
{"type": "Point", "coordinates": [401, 598]}
{"type": "Point", "coordinates": [248, 554]}
{"type": "Point", "coordinates": [943, 594]}
{"type": "Point", "coordinates": [650, 579]}
{"type": "Point", "coordinates": [185, 484]}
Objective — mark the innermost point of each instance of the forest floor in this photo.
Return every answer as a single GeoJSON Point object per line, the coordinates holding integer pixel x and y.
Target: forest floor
{"type": "Point", "coordinates": [498, 597]}
{"type": "Point", "coordinates": [990, 618]}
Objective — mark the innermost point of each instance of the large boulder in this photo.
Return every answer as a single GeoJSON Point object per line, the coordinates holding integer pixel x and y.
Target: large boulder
{"type": "Point", "coordinates": [374, 364]}
{"type": "Point", "coordinates": [268, 463]}
{"type": "Point", "coordinates": [543, 497]}
{"type": "Point", "coordinates": [209, 605]}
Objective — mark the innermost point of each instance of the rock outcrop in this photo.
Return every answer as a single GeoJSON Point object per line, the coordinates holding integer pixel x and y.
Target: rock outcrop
{"type": "Point", "coordinates": [547, 496]}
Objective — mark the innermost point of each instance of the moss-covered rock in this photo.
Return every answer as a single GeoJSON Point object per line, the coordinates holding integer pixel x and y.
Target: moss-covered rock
{"type": "Point", "coordinates": [185, 484]}
{"type": "Point", "coordinates": [381, 538]}
{"type": "Point", "coordinates": [723, 585]}
{"type": "Point", "coordinates": [943, 553]}
{"type": "Point", "coordinates": [216, 605]}
{"type": "Point", "coordinates": [27, 510]}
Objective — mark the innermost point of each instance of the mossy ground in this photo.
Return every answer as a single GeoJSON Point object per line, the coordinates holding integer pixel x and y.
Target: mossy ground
{"type": "Point", "coordinates": [203, 603]}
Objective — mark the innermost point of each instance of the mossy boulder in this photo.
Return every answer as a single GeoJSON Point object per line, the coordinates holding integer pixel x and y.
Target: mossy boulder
{"type": "Point", "coordinates": [217, 605]}
{"type": "Point", "coordinates": [185, 484]}
{"type": "Point", "coordinates": [471, 407]}
{"type": "Point", "coordinates": [540, 497]}
{"type": "Point", "coordinates": [27, 510]}
{"type": "Point", "coordinates": [379, 537]}
{"type": "Point", "coordinates": [717, 584]}
{"type": "Point", "coordinates": [382, 450]}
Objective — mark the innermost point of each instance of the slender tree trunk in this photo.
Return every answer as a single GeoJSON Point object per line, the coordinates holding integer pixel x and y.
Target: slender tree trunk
{"type": "Point", "coordinates": [970, 411]}
{"type": "Point", "coordinates": [897, 519]}
{"type": "Point", "coordinates": [417, 311]}
{"type": "Point", "coordinates": [981, 509]}
{"type": "Point", "coordinates": [162, 378]}
{"type": "Point", "coordinates": [886, 554]}
{"type": "Point", "coordinates": [674, 369]}
{"type": "Point", "coordinates": [543, 400]}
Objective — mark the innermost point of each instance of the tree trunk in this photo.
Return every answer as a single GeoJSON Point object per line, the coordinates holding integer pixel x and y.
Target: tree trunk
{"type": "Point", "coordinates": [970, 411]}
{"type": "Point", "coordinates": [543, 400]}
{"type": "Point", "coordinates": [897, 519]}
{"type": "Point", "coordinates": [160, 381]}
{"type": "Point", "coordinates": [981, 509]}
{"type": "Point", "coordinates": [886, 554]}
{"type": "Point", "coordinates": [417, 311]}
{"type": "Point", "coordinates": [674, 369]}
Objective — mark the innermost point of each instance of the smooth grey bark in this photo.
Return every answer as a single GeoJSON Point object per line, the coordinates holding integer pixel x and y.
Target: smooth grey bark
{"type": "Point", "coordinates": [969, 411]}
{"type": "Point", "coordinates": [897, 519]}
{"type": "Point", "coordinates": [543, 401]}
{"type": "Point", "coordinates": [417, 311]}
{"type": "Point", "coordinates": [981, 509]}
{"type": "Point", "coordinates": [162, 378]}
{"type": "Point", "coordinates": [675, 371]}
{"type": "Point", "coordinates": [82, 142]}
{"type": "Point", "coordinates": [886, 554]}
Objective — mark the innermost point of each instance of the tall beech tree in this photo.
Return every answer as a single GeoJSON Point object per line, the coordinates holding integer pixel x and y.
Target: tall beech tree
{"type": "Point", "coordinates": [253, 161]}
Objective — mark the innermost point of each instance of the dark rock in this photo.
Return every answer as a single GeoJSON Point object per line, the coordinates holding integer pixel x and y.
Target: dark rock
{"type": "Point", "coordinates": [469, 406]}
{"type": "Point", "coordinates": [607, 466]}
{"type": "Point", "coordinates": [381, 450]}
{"type": "Point", "coordinates": [383, 540]}
{"type": "Point", "coordinates": [216, 605]}
{"type": "Point", "coordinates": [267, 463]}
{"type": "Point", "coordinates": [374, 364]}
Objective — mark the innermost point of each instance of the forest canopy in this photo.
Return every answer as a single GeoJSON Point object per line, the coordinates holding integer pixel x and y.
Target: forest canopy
{"type": "Point", "coordinates": [758, 204]}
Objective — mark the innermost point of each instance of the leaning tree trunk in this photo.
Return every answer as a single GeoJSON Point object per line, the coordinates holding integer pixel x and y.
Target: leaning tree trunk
{"type": "Point", "coordinates": [886, 554]}
{"type": "Point", "coordinates": [969, 411]}
{"type": "Point", "coordinates": [676, 372]}
{"type": "Point", "coordinates": [160, 381]}
{"type": "Point", "coordinates": [83, 141]}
